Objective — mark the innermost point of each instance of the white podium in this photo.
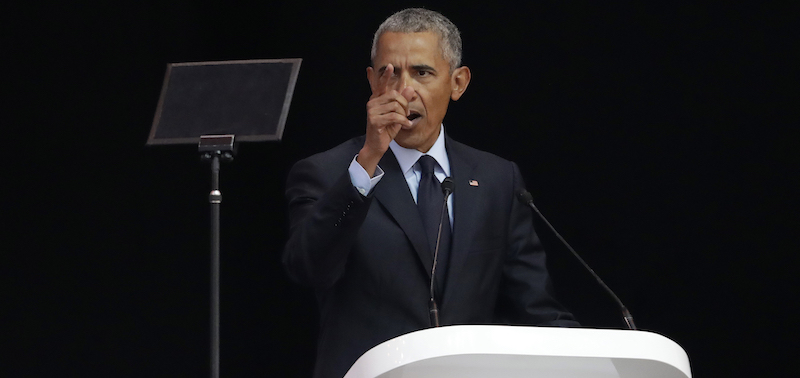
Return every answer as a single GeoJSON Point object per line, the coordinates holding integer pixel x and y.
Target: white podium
{"type": "Point", "coordinates": [483, 351]}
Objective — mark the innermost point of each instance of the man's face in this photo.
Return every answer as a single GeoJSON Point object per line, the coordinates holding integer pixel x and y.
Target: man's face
{"type": "Point", "coordinates": [418, 63]}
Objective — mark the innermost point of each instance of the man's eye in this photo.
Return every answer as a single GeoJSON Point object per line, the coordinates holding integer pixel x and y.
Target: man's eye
{"type": "Point", "coordinates": [423, 73]}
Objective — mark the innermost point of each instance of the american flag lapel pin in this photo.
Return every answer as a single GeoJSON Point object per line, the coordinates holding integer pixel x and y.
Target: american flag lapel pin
{"type": "Point", "coordinates": [473, 182]}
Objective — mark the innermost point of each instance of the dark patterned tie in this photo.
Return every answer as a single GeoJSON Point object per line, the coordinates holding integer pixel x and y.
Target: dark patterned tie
{"type": "Point", "coordinates": [429, 202]}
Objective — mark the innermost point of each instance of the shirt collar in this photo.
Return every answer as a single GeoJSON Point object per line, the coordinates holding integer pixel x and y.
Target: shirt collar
{"type": "Point", "coordinates": [407, 157]}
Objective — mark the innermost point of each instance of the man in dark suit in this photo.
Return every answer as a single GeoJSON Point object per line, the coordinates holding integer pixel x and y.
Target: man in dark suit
{"type": "Point", "coordinates": [359, 233]}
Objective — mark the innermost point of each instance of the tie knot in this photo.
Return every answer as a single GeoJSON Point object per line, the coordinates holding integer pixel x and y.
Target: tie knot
{"type": "Point", "coordinates": [426, 164]}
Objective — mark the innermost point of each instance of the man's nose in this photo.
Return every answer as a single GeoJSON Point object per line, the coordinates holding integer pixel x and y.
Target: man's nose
{"type": "Point", "coordinates": [404, 80]}
{"type": "Point", "coordinates": [401, 81]}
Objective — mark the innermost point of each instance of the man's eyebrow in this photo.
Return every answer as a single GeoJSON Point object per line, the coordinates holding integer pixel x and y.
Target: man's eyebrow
{"type": "Point", "coordinates": [423, 67]}
{"type": "Point", "coordinates": [416, 67]}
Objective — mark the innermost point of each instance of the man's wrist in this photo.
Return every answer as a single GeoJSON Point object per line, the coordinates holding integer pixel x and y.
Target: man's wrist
{"type": "Point", "coordinates": [368, 159]}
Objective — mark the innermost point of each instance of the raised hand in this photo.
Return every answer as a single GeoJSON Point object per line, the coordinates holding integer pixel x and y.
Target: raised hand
{"type": "Point", "coordinates": [387, 113]}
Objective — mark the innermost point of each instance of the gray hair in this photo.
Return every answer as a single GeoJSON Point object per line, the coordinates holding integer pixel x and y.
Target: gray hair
{"type": "Point", "coordinates": [416, 20]}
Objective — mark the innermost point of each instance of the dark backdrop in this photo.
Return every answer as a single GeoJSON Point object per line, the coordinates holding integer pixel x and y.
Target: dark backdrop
{"type": "Point", "coordinates": [655, 137]}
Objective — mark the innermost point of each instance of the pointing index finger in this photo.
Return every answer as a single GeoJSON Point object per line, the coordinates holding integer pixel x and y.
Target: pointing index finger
{"type": "Point", "coordinates": [383, 81]}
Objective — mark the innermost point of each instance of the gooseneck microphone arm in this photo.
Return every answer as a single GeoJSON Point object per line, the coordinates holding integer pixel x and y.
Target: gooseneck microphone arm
{"type": "Point", "coordinates": [447, 188]}
{"type": "Point", "coordinates": [526, 198]}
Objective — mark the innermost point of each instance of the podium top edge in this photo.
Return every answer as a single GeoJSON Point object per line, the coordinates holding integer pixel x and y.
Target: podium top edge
{"type": "Point", "coordinates": [535, 342]}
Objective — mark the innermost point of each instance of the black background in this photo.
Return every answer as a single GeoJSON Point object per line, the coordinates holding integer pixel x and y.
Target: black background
{"type": "Point", "coordinates": [655, 137]}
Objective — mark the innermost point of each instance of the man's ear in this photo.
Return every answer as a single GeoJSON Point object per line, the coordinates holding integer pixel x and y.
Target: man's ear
{"type": "Point", "coordinates": [459, 81]}
{"type": "Point", "coordinates": [370, 74]}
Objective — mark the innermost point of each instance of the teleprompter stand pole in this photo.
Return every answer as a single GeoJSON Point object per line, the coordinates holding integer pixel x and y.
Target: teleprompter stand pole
{"type": "Point", "coordinates": [202, 98]}
{"type": "Point", "coordinates": [215, 148]}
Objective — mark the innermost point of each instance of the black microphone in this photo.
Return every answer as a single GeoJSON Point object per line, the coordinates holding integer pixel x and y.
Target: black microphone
{"type": "Point", "coordinates": [526, 198]}
{"type": "Point", "coordinates": [447, 187]}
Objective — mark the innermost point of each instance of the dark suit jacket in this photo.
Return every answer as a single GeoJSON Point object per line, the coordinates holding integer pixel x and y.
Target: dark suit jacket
{"type": "Point", "coordinates": [369, 263]}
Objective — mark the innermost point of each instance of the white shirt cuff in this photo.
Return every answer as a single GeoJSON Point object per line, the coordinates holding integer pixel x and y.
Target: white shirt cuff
{"type": "Point", "coordinates": [360, 178]}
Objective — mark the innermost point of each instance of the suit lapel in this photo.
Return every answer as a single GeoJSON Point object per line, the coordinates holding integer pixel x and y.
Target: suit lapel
{"type": "Point", "coordinates": [393, 193]}
{"type": "Point", "coordinates": [465, 199]}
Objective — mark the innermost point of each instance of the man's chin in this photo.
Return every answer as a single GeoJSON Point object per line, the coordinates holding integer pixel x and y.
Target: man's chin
{"type": "Point", "coordinates": [411, 139]}
{"type": "Point", "coordinates": [406, 139]}
{"type": "Point", "coordinates": [403, 137]}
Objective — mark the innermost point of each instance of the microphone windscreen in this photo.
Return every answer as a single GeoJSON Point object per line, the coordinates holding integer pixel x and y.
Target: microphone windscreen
{"type": "Point", "coordinates": [525, 196]}
{"type": "Point", "coordinates": [448, 185]}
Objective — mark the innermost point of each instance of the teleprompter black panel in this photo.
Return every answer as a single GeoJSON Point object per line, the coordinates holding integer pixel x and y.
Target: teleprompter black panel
{"type": "Point", "coordinates": [247, 98]}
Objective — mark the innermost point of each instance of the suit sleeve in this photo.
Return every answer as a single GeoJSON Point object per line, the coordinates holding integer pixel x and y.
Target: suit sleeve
{"type": "Point", "coordinates": [526, 294]}
{"type": "Point", "coordinates": [325, 214]}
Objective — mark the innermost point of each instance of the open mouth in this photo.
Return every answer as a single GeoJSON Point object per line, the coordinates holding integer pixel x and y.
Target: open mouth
{"type": "Point", "coordinates": [413, 116]}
